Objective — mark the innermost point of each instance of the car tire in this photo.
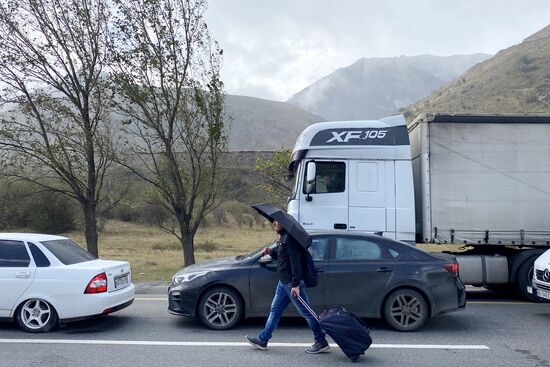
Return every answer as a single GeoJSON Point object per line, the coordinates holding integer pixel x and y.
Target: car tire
{"type": "Point", "coordinates": [405, 310]}
{"type": "Point", "coordinates": [36, 316]}
{"type": "Point", "coordinates": [220, 308]}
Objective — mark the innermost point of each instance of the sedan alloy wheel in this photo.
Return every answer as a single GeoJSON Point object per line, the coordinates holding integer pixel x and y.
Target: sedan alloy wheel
{"type": "Point", "coordinates": [220, 308]}
{"type": "Point", "coordinates": [406, 310]}
{"type": "Point", "coordinates": [36, 316]}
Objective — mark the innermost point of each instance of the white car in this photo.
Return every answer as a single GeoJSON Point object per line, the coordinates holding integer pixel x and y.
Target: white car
{"type": "Point", "coordinates": [46, 280]}
{"type": "Point", "coordinates": [540, 286]}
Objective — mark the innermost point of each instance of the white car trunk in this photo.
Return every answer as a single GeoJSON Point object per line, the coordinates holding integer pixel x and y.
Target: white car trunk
{"type": "Point", "coordinates": [119, 273]}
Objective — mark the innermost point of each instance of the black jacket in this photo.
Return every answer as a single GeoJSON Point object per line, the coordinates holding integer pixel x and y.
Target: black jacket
{"type": "Point", "coordinates": [289, 255]}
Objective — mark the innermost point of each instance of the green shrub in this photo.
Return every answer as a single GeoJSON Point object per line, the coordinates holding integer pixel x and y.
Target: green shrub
{"type": "Point", "coordinates": [527, 64]}
{"type": "Point", "coordinates": [50, 213]}
{"type": "Point", "coordinates": [126, 211]}
{"type": "Point", "coordinates": [154, 214]}
{"type": "Point", "coordinates": [12, 202]}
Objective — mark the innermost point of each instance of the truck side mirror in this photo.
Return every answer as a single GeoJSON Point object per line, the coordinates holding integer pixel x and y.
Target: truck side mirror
{"type": "Point", "coordinates": [311, 169]}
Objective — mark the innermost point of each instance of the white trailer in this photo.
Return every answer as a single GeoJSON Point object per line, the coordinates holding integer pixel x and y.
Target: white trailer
{"type": "Point", "coordinates": [481, 181]}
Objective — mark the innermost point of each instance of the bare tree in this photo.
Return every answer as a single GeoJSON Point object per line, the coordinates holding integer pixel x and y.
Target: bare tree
{"type": "Point", "coordinates": [166, 69]}
{"type": "Point", "coordinates": [52, 127]}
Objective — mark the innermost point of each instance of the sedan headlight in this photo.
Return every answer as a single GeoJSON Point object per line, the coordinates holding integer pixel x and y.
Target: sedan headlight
{"type": "Point", "coordinates": [187, 277]}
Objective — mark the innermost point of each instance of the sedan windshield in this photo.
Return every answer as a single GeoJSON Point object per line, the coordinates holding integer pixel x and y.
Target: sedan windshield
{"type": "Point", "coordinates": [68, 252]}
{"type": "Point", "coordinates": [256, 252]}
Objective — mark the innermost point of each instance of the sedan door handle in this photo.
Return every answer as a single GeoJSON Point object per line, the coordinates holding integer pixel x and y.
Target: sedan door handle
{"type": "Point", "coordinates": [384, 270]}
{"type": "Point", "coordinates": [319, 270]}
{"type": "Point", "coordinates": [22, 274]}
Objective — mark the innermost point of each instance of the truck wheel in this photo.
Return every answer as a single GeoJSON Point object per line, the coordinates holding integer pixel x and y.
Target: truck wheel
{"type": "Point", "coordinates": [524, 279]}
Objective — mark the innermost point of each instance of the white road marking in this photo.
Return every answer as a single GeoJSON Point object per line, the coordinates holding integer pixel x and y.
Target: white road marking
{"type": "Point", "coordinates": [500, 303]}
{"type": "Point", "coordinates": [229, 344]}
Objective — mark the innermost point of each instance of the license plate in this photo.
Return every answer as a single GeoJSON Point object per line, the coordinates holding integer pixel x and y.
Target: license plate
{"type": "Point", "coordinates": [543, 294]}
{"type": "Point", "coordinates": [122, 281]}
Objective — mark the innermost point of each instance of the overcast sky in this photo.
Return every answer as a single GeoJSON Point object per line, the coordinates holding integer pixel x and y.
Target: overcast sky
{"type": "Point", "coordinates": [275, 48]}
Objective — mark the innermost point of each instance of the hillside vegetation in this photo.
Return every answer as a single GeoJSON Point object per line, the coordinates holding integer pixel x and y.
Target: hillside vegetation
{"type": "Point", "coordinates": [379, 87]}
{"type": "Point", "coordinates": [261, 124]}
{"type": "Point", "coordinates": [515, 80]}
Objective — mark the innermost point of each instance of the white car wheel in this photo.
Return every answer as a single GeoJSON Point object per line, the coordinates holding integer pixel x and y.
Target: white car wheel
{"type": "Point", "coordinates": [36, 316]}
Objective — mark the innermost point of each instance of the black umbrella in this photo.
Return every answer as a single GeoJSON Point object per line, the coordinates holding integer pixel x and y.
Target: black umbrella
{"type": "Point", "coordinates": [291, 225]}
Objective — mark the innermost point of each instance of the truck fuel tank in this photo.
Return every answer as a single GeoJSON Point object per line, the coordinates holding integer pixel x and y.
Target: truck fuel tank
{"type": "Point", "coordinates": [481, 270]}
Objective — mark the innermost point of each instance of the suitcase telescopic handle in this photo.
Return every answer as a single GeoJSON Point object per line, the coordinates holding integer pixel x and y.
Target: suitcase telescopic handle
{"type": "Point", "coordinates": [304, 303]}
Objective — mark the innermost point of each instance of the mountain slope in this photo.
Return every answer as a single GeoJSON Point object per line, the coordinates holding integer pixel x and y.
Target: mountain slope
{"type": "Point", "coordinates": [260, 124]}
{"type": "Point", "coordinates": [253, 123]}
{"type": "Point", "coordinates": [515, 80]}
{"type": "Point", "coordinates": [379, 87]}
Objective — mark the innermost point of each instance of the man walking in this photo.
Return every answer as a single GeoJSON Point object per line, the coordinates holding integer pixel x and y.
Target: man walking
{"type": "Point", "coordinates": [289, 255]}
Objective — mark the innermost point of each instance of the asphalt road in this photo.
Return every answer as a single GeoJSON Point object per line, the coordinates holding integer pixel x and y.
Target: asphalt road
{"type": "Point", "coordinates": [492, 331]}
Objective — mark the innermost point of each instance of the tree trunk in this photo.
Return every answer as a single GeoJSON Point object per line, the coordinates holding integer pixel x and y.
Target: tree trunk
{"type": "Point", "coordinates": [90, 222]}
{"type": "Point", "coordinates": [187, 242]}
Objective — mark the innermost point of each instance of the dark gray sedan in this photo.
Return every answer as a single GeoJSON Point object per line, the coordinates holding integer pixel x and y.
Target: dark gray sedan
{"type": "Point", "coordinates": [371, 276]}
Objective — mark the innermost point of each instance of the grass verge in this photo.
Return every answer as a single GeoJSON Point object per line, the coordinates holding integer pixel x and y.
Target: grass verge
{"type": "Point", "coordinates": [157, 255]}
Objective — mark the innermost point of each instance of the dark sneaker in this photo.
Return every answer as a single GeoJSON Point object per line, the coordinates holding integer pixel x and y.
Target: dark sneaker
{"type": "Point", "coordinates": [318, 347]}
{"type": "Point", "coordinates": [256, 342]}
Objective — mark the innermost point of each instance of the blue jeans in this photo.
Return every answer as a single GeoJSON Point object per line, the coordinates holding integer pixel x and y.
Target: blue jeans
{"type": "Point", "coordinates": [281, 299]}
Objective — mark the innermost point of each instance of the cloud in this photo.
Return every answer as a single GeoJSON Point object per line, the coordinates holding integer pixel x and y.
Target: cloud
{"type": "Point", "coordinates": [273, 49]}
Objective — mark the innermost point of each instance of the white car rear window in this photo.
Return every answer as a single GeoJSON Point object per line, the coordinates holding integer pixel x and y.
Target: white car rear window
{"type": "Point", "coordinates": [68, 252]}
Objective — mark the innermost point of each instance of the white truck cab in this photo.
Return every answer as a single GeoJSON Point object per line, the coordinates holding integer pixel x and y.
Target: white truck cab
{"type": "Point", "coordinates": [355, 175]}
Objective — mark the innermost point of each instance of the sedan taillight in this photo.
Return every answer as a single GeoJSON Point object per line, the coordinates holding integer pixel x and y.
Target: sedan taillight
{"type": "Point", "coordinates": [451, 268]}
{"type": "Point", "coordinates": [98, 284]}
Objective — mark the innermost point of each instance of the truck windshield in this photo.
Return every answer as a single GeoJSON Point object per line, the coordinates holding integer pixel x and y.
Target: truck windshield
{"type": "Point", "coordinates": [296, 186]}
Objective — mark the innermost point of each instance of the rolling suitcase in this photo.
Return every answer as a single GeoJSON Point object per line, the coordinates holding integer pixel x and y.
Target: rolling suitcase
{"type": "Point", "coordinates": [348, 331]}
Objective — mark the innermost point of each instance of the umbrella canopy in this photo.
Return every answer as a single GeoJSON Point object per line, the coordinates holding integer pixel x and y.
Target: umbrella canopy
{"type": "Point", "coordinates": [291, 225]}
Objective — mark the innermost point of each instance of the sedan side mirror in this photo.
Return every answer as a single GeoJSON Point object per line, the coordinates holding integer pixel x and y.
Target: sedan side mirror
{"type": "Point", "coordinates": [266, 259]}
